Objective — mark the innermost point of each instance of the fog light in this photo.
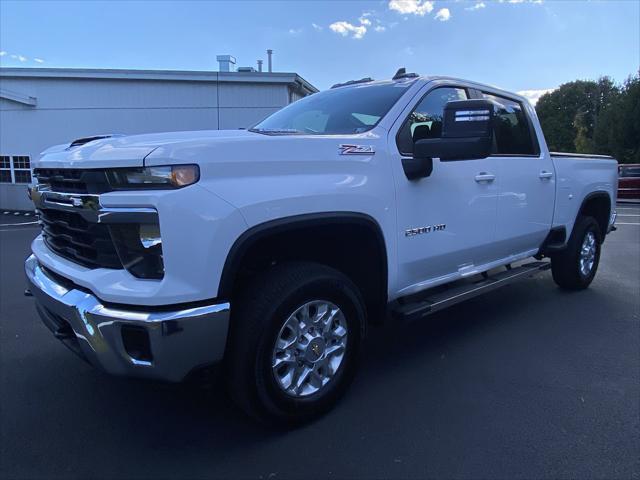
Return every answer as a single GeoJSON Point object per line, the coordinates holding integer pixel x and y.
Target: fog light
{"type": "Point", "coordinates": [136, 343]}
{"type": "Point", "coordinates": [150, 235]}
{"type": "Point", "coordinates": [139, 248]}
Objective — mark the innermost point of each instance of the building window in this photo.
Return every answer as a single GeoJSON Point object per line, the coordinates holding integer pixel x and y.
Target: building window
{"type": "Point", "coordinates": [16, 169]}
{"type": "Point", "coordinates": [22, 169]}
{"type": "Point", "coordinates": [5, 169]}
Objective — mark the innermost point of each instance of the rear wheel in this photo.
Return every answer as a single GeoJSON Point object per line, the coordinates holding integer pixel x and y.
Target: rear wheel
{"type": "Point", "coordinates": [576, 266]}
{"type": "Point", "coordinates": [295, 338]}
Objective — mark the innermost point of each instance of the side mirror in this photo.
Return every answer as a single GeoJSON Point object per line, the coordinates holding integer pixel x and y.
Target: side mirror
{"type": "Point", "coordinates": [467, 134]}
{"type": "Point", "coordinates": [417, 167]}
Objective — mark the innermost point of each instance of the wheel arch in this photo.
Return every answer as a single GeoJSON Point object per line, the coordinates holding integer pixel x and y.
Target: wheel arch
{"type": "Point", "coordinates": [596, 205]}
{"type": "Point", "coordinates": [356, 226]}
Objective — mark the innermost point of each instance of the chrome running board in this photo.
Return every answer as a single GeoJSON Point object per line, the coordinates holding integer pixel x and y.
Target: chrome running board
{"type": "Point", "coordinates": [428, 302]}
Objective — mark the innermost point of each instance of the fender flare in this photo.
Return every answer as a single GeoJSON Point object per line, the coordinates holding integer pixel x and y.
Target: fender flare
{"type": "Point", "coordinates": [263, 230]}
{"type": "Point", "coordinates": [590, 196]}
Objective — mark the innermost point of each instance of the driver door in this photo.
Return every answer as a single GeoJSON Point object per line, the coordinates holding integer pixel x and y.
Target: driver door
{"type": "Point", "coordinates": [446, 221]}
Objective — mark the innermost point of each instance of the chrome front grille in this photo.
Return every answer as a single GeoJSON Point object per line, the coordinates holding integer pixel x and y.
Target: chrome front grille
{"type": "Point", "coordinates": [77, 227]}
{"type": "Point", "coordinates": [72, 237]}
{"type": "Point", "coordinates": [79, 181]}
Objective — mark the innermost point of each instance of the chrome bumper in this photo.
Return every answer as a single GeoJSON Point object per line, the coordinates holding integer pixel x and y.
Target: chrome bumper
{"type": "Point", "coordinates": [152, 343]}
{"type": "Point", "coordinates": [612, 222]}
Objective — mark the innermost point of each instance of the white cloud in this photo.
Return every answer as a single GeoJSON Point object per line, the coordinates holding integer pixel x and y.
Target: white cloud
{"type": "Point", "coordinates": [345, 29]}
{"type": "Point", "coordinates": [534, 95]}
{"type": "Point", "coordinates": [316, 27]}
{"type": "Point", "coordinates": [415, 7]}
{"type": "Point", "coordinates": [295, 31]}
{"type": "Point", "coordinates": [18, 57]}
{"type": "Point", "coordinates": [443, 15]}
{"type": "Point", "coordinates": [365, 21]}
{"type": "Point", "coordinates": [521, 1]}
{"type": "Point", "coordinates": [380, 28]}
{"type": "Point", "coordinates": [477, 6]}
{"type": "Point", "coordinates": [408, 51]}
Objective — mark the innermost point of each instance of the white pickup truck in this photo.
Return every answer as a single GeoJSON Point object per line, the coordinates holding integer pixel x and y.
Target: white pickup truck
{"type": "Point", "coordinates": [269, 250]}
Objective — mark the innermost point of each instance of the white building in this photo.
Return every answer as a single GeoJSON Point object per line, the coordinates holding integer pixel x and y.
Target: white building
{"type": "Point", "coordinates": [41, 107]}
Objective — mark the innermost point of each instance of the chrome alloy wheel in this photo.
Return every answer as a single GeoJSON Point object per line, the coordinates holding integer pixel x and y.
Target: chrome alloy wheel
{"type": "Point", "coordinates": [309, 348]}
{"type": "Point", "coordinates": [588, 253]}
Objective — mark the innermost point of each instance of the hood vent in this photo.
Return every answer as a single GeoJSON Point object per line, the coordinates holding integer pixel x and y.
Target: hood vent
{"type": "Point", "coordinates": [82, 141]}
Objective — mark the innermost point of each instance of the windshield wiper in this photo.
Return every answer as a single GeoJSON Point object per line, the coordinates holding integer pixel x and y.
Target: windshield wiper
{"type": "Point", "coordinates": [276, 131]}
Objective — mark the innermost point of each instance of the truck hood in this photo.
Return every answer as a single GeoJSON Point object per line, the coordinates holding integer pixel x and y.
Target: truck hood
{"type": "Point", "coordinates": [126, 151]}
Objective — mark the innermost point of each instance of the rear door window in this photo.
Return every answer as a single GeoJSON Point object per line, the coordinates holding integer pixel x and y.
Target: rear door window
{"type": "Point", "coordinates": [512, 133]}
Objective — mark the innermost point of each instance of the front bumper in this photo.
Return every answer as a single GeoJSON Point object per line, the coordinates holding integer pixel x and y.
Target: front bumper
{"type": "Point", "coordinates": [150, 342]}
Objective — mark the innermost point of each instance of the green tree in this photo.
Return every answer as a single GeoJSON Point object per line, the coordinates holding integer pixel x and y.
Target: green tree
{"type": "Point", "coordinates": [618, 128]}
{"type": "Point", "coordinates": [569, 115]}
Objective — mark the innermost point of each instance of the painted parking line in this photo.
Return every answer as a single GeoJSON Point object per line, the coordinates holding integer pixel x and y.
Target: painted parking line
{"type": "Point", "coordinates": [622, 223]}
{"type": "Point", "coordinates": [629, 214]}
{"type": "Point", "coordinates": [17, 224]}
{"type": "Point", "coordinates": [20, 229]}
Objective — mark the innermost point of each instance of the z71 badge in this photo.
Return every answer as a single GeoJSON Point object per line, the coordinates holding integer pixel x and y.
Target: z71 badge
{"type": "Point", "coordinates": [348, 149]}
{"type": "Point", "coordinates": [412, 232]}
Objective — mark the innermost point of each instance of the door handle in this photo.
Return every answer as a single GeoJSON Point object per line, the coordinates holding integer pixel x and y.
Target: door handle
{"type": "Point", "coordinates": [544, 174]}
{"type": "Point", "coordinates": [485, 177]}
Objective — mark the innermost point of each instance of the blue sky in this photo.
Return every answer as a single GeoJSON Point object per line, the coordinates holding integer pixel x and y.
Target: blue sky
{"type": "Point", "coordinates": [516, 44]}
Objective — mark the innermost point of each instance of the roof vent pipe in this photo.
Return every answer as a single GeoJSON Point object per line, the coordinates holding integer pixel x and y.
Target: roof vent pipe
{"type": "Point", "coordinates": [269, 60]}
{"type": "Point", "coordinates": [259, 65]}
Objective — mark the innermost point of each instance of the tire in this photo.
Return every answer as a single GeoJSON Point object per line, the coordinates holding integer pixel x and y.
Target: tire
{"type": "Point", "coordinates": [258, 319]}
{"type": "Point", "coordinates": [566, 267]}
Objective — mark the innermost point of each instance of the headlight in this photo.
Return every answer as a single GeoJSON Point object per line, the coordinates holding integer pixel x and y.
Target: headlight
{"type": "Point", "coordinates": [165, 177]}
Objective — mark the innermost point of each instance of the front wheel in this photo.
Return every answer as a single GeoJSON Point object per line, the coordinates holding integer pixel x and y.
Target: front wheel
{"type": "Point", "coordinates": [295, 338]}
{"type": "Point", "coordinates": [576, 266]}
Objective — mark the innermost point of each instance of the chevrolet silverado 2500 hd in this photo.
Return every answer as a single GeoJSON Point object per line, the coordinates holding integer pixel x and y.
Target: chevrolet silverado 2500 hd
{"type": "Point", "coordinates": [269, 250]}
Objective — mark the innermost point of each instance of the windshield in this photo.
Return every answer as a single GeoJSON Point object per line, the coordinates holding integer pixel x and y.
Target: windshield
{"type": "Point", "coordinates": [337, 111]}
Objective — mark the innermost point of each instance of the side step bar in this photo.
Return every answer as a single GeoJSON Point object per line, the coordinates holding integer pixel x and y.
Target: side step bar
{"type": "Point", "coordinates": [419, 308]}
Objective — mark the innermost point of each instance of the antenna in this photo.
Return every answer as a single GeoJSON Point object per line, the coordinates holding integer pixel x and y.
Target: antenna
{"type": "Point", "coordinates": [400, 73]}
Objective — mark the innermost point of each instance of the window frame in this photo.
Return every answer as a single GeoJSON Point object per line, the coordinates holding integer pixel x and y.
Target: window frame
{"type": "Point", "coordinates": [467, 91]}
{"type": "Point", "coordinates": [22, 169]}
{"type": "Point", "coordinates": [13, 169]}
{"type": "Point", "coordinates": [7, 169]}
{"type": "Point", "coordinates": [537, 151]}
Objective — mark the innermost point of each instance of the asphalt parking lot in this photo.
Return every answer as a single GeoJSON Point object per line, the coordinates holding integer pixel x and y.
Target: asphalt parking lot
{"type": "Point", "coordinates": [525, 382]}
